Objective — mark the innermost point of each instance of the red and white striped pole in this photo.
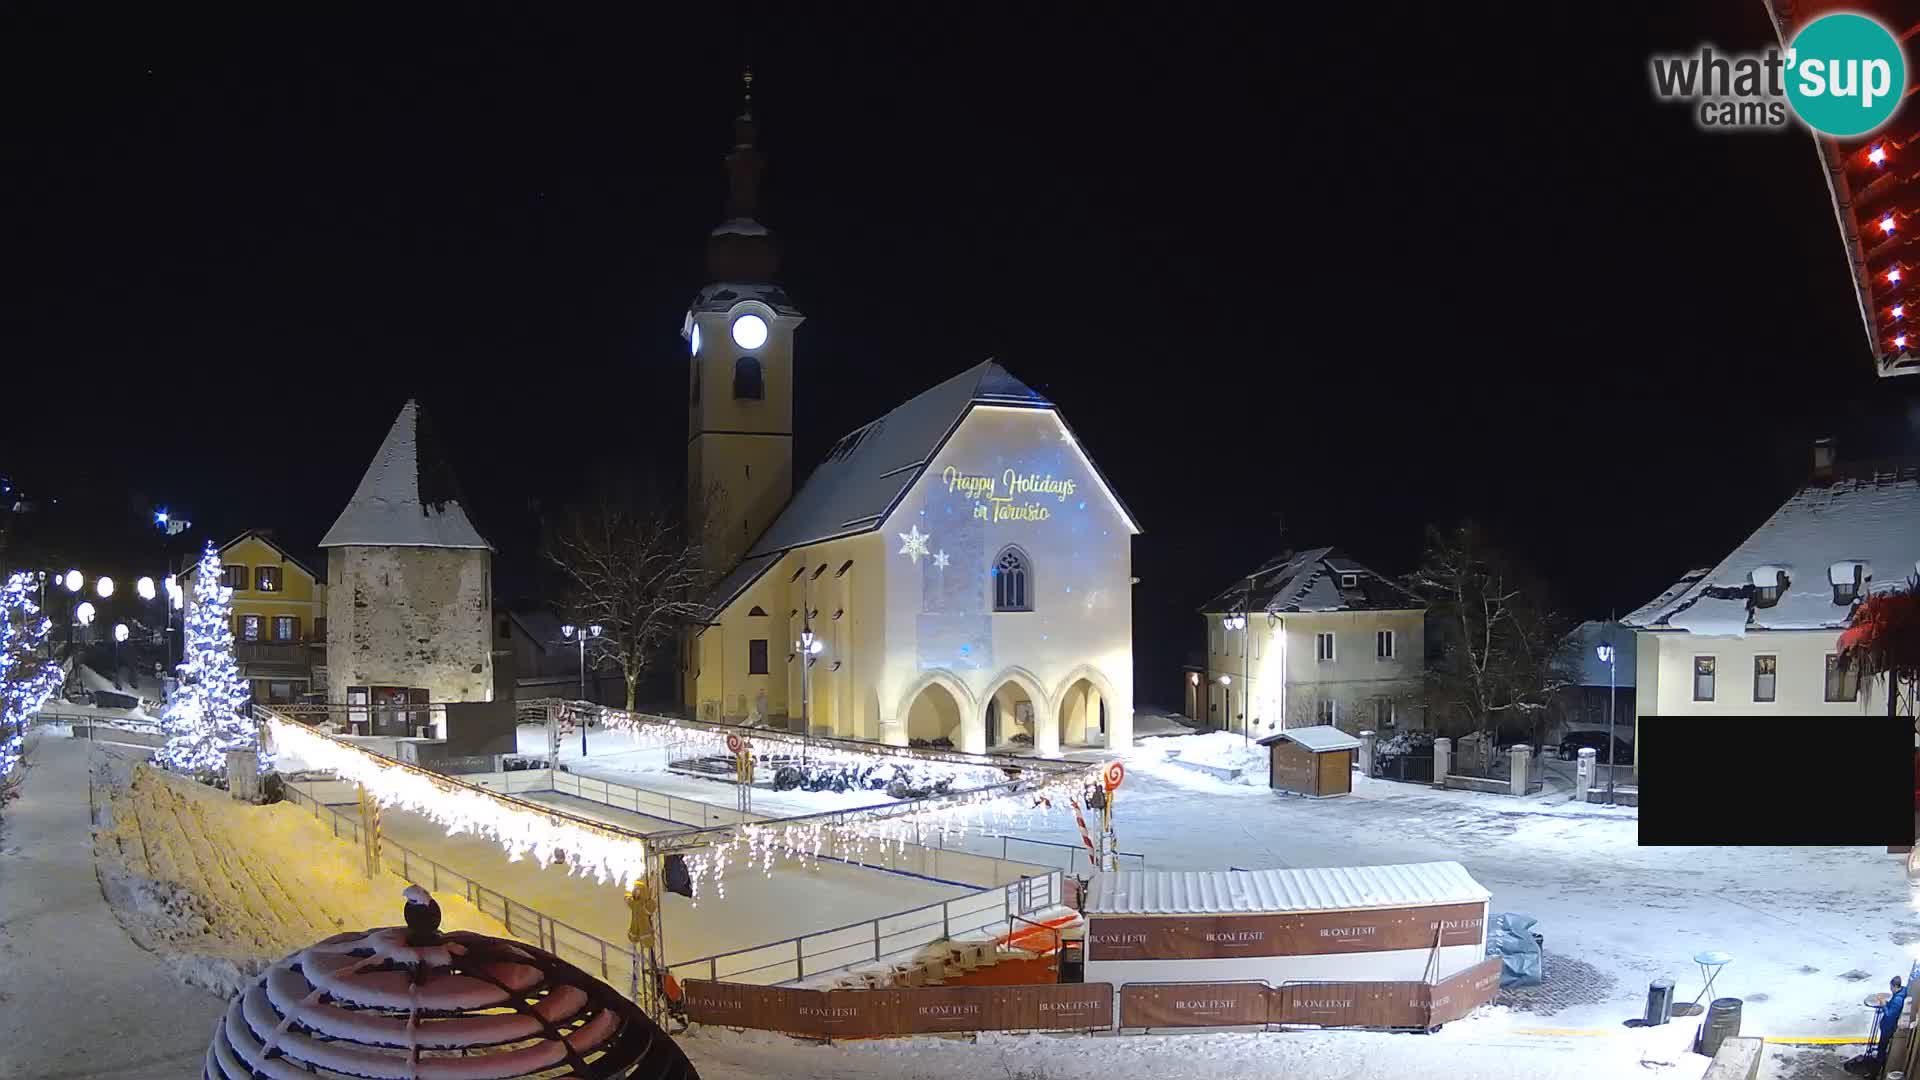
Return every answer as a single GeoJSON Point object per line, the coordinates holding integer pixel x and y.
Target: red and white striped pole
{"type": "Point", "coordinates": [1085, 837]}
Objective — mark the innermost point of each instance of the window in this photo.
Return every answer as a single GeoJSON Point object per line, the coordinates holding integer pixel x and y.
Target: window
{"type": "Point", "coordinates": [286, 628]}
{"type": "Point", "coordinates": [1383, 644]}
{"type": "Point", "coordinates": [757, 611]}
{"type": "Point", "coordinates": [1326, 710]}
{"type": "Point", "coordinates": [757, 656]}
{"type": "Point", "coordinates": [1846, 579]}
{"type": "Point", "coordinates": [1012, 591]}
{"type": "Point", "coordinates": [233, 576]}
{"type": "Point", "coordinates": [1843, 684]}
{"type": "Point", "coordinates": [320, 628]}
{"type": "Point", "coordinates": [266, 578]}
{"type": "Point", "coordinates": [1348, 581]}
{"type": "Point", "coordinates": [1383, 712]}
{"type": "Point", "coordinates": [1703, 678]}
{"type": "Point", "coordinates": [250, 627]}
{"type": "Point", "coordinates": [1323, 646]}
{"type": "Point", "coordinates": [1764, 668]}
{"type": "Point", "coordinates": [747, 383]}
{"type": "Point", "coordinates": [1214, 634]}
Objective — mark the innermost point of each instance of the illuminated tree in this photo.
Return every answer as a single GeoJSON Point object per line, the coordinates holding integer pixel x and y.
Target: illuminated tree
{"type": "Point", "coordinates": [27, 678]}
{"type": "Point", "coordinates": [207, 715]}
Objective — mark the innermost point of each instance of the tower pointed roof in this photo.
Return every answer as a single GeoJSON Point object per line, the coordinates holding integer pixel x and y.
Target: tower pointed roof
{"type": "Point", "coordinates": [408, 497]}
{"type": "Point", "coordinates": [740, 248]}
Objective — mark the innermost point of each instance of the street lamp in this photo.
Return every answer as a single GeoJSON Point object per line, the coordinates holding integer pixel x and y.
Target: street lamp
{"type": "Point", "coordinates": [74, 581]}
{"type": "Point", "coordinates": [579, 635]}
{"type": "Point", "coordinates": [145, 588]}
{"type": "Point", "coordinates": [104, 587]}
{"type": "Point", "coordinates": [1606, 654]}
{"type": "Point", "coordinates": [809, 646]}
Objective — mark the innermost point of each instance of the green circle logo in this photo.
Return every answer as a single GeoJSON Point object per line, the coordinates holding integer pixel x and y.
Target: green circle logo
{"type": "Point", "coordinates": [1845, 74]}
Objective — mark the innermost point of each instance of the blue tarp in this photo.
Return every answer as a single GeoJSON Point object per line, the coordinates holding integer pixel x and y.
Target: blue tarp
{"type": "Point", "coordinates": [1510, 937]}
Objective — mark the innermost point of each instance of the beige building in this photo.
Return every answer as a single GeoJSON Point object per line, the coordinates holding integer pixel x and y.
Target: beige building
{"type": "Point", "coordinates": [409, 589]}
{"type": "Point", "coordinates": [956, 572]}
{"type": "Point", "coordinates": [1757, 633]}
{"type": "Point", "coordinates": [1312, 638]}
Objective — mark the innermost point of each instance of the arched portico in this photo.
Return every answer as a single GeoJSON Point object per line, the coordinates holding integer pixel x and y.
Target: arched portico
{"type": "Point", "coordinates": [1002, 714]}
{"type": "Point", "coordinates": [1084, 707]}
{"type": "Point", "coordinates": [938, 705]}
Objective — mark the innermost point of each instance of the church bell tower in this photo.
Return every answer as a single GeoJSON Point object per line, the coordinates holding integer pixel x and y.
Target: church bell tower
{"type": "Point", "coordinates": [739, 334]}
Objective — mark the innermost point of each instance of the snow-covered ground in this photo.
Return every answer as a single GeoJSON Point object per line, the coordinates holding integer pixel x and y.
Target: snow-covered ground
{"type": "Point", "coordinates": [1811, 930]}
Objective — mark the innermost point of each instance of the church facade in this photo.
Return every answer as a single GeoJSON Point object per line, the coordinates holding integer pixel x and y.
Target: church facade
{"type": "Point", "coordinates": [956, 572]}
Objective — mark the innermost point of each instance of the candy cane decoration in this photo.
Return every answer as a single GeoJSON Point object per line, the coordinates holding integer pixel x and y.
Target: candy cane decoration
{"type": "Point", "coordinates": [1085, 837]}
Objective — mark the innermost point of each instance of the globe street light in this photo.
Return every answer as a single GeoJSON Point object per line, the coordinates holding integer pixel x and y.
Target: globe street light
{"type": "Point", "coordinates": [74, 581]}
{"type": "Point", "coordinates": [145, 588]}
{"type": "Point", "coordinates": [105, 587]}
{"type": "Point", "coordinates": [810, 646]}
{"type": "Point", "coordinates": [580, 635]}
{"type": "Point", "coordinates": [84, 613]}
{"type": "Point", "coordinates": [1606, 654]}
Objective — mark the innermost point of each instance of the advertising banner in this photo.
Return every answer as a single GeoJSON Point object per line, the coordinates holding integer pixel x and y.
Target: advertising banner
{"type": "Point", "coordinates": [1212, 937]}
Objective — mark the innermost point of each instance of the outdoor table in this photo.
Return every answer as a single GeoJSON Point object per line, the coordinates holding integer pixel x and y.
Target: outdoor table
{"type": "Point", "coordinates": [1710, 964]}
{"type": "Point", "coordinates": [1876, 1002]}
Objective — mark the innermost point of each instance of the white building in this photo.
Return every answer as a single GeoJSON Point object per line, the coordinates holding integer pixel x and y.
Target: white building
{"type": "Point", "coordinates": [958, 568]}
{"type": "Point", "coordinates": [1312, 638]}
{"type": "Point", "coordinates": [409, 584]}
{"type": "Point", "coordinates": [1757, 633]}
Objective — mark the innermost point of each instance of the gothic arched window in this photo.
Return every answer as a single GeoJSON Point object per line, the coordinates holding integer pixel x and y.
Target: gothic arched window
{"type": "Point", "coordinates": [746, 379]}
{"type": "Point", "coordinates": [1012, 581]}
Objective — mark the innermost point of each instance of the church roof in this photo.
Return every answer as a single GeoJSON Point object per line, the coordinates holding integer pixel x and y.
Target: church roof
{"type": "Point", "coordinates": [871, 469]}
{"type": "Point", "coordinates": [722, 295]}
{"type": "Point", "coordinates": [407, 497]}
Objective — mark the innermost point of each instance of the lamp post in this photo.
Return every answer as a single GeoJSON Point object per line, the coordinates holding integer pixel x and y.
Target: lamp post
{"type": "Point", "coordinates": [809, 647]}
{"type": "Point", "coordinates": [579, 635]}
{"type": "Point", "coordinates": [74, 581]}
{"type": "Point", "coordinates": [1606, 654]}
{"type": "Point", "coordinates": [1239, 622]}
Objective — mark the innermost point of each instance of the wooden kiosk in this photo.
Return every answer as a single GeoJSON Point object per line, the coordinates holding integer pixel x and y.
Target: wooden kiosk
{"type": "Point", "coordinates": [1315, 761]}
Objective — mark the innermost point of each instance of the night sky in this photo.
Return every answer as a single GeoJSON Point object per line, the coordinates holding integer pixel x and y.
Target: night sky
{"type": "Point", "coordinates": [1353, 277]}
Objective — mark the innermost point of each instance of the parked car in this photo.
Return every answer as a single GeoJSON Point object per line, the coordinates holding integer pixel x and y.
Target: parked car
{"type": "Point", "coordinates": [1576, 741]}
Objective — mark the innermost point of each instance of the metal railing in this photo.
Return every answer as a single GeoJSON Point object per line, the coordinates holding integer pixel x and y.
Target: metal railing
{"type": "Point", "coordinates": [875, 940]}
{"type": "Point", "coordinates": [618, 965]}
{"type": "Point", "coordinates": [677, 809]}
{"type": "Point", "coordinates": [1076, 854]}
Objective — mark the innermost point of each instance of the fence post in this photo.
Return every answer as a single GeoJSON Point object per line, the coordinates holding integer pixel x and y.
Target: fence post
{"type": "Point", "coordinates": [946, 925]}
{"type": "Point", "coordinates": [800, 955]}
{"type": "Point", "coordinates": [876, 932]}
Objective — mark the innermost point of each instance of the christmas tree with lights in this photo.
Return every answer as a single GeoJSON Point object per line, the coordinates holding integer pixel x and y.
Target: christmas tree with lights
{"type": "Point", "coordinates": [27, 677]}
{"type": "Point", "coordinates": [207, 715]}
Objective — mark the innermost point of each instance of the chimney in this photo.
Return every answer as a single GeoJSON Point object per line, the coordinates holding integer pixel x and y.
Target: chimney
{"type": "Point", "coordinates": [1823, 460]}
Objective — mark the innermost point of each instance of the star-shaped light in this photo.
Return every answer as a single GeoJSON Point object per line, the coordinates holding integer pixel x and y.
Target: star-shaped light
{"type": "Point", "coordinates": [915, 543]}
{"type": "Point", "coordinates": [940, 558]}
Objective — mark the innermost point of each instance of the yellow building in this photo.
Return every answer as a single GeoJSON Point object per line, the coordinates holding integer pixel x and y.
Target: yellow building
{"type": "Point", "coordinates": [1312, 638]}
{"type": "Point", "coordinates": [279, 615]}
{"type": "Point", "coordinates": [955, 573]}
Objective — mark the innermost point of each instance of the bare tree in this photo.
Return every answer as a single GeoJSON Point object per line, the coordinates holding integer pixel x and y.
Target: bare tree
{"type": "Point", "coordinates": [1500, 657]}
{"type": "Point", "coordinates": [630, 569]}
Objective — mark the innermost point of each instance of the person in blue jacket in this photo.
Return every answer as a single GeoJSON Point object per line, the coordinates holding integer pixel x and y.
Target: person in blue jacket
{"type": "Point", "coordinates": [1890, 1016]}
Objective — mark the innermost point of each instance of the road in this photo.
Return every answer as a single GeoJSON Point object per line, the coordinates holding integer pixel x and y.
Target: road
{"type": "Point", "coordinates": [77, 997]}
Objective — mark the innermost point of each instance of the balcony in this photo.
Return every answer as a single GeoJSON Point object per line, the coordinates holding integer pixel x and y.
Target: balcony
{"type": "Point", "coordinates": [275, 652]}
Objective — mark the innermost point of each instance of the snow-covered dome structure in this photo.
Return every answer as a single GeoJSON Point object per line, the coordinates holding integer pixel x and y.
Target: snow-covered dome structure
{"type": "Point", "coordinates": [411, 1003]}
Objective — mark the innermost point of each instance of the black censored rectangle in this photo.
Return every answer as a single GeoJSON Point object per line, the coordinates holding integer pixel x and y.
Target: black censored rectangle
{"type": "Point", "coordinates": [1776, 780]}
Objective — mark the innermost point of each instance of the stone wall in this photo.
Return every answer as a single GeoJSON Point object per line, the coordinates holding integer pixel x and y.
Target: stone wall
{"type": "Point", "coordinates": [410, 616]}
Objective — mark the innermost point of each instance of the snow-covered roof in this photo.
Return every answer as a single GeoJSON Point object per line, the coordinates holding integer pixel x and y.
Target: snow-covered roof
{"type": "Point", "coordinates": [722, 295]}
{"type": "Point", "coordinates": [1583, 644]}
{"type": "Point", "coordinates": [407, 497]}
{"type": "Point", "coordinates": [1340, 888]}
{"type": "Point", "coordinates": [1869, 515]}
{"type": "Point", "coordinates": [1311, 581]}
{"type": "Point", "coordinates": [1318, 738]}
{"type": "Point", "coordinates": [872, 468]}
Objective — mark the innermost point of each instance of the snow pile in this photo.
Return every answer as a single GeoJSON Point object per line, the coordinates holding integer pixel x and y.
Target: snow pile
{"type": "Point", "coordinates": [219, 889]}
{"type": "Point", "coordinates": [1214, 749]}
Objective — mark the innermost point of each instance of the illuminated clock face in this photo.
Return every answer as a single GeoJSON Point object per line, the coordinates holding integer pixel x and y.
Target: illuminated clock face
{"type": "Point", "coordinates": [693, 339]}
{"type": "Point", "coordinates": [749, 331]}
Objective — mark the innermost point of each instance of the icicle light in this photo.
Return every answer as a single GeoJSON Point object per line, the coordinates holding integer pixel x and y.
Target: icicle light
{"type": "Point", "coordinates": [609, 855]}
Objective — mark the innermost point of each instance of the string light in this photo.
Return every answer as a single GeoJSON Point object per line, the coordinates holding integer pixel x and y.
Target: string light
{"type": "Point", "coordinates": [609, 855]}
{"type": "Point", "coordinates": [1886, 224]}
{"type": "Point", "coordinates": [1899, 310]}
{"type": "Point", "coordinates": [1893, 276]}
{"type": "Point", "coordinates": [1877, 155]}
{"type": "Point", "coordinates": [27, 679]}
{"type": "Point", "coordinates": [1900, 341]}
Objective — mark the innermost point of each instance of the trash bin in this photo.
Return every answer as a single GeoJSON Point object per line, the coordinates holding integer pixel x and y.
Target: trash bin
{"type": "Point", "coordinates": [1659, 1001]}
{"type": "Point", "coordinates": [1722, 1023]}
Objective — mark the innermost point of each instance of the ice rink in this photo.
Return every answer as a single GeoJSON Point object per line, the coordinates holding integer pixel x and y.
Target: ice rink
{"type": "Point", "coordinates": [757, 907]}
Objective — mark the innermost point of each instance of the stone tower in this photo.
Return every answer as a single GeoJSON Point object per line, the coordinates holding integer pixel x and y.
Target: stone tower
{"type": "Point", "coordinates": [410, 590]}
{"type": "Point", "coordinates": [739, 332]}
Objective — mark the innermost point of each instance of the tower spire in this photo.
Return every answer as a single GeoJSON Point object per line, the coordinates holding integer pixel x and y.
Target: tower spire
{"type": "Point", "coordinates": [742, 249]}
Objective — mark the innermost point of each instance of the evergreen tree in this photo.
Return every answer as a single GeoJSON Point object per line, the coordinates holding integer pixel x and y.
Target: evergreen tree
{"type": "Point", "coordinates": [27, 677]}
{"type": "Point", "coordinates": [207, 716]}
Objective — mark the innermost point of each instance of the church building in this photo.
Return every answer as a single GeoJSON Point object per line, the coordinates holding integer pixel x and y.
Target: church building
{"type": "Point", "coordinates": [956, 572]}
